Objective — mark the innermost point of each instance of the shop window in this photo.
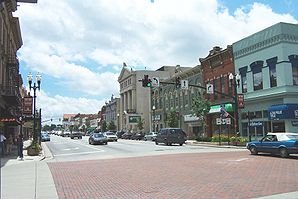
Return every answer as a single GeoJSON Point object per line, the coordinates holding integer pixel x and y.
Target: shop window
{"type": "Point", "coordinates": [265, 114]}
{"type": "Point", "coordinates": [267, 127]}
{"type": "Point", "coordinates": [244, 129]}
{"type": "Point", "coordinates": [258, 114]}
{"type": "Point", "coordinates": [259, 130]}
{"type": "Point", "coordinates": [278, 126]}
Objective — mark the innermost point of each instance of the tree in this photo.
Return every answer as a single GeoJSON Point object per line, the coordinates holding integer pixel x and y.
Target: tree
{"type": "Point", "coordinates": [173, 119]}
{"type": "Point", "coordinates": [201, 107]}
{"type": "Point", "coordinates": [104, 126]}
{"type": "Point", "coordinates": [140, 124]}
{"type": "Point", "coordinates": [46, 128]}
{"type": "Point", "coordinates": [112, 126]}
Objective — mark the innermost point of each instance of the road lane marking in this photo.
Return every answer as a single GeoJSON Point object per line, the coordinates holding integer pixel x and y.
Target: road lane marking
{"type": "Point", "coordinates": [71, 149]}
{"type": "Point", "coordinates": [80, 153]}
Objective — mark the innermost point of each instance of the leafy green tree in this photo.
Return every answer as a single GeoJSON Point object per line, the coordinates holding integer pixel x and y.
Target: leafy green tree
{"type": "Point", "coordinates": [201, 107]}
{"type": "Point", "coordinates": [140, 124]}
{"type": "Point", "coordinates": [104, 126]}
{"type": "Point", "coordinates": [112, 126]}
{"type": "Point", "coordinates": [46, 127]}
{"type": "Point", "coordinates": [87, 123]}
{"type": "Point", "coordinates": [172, 119]}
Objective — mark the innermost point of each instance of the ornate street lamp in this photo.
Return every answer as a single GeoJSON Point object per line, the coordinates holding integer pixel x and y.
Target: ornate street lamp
{"type": "Point", "coordinates": [34, 87]}
{"type": "Point", "coordinates": [118, 128]}
{"type": "Point", "coordinates": [153, 109]}
{"type": "Point", "coordinates": [235, 82]}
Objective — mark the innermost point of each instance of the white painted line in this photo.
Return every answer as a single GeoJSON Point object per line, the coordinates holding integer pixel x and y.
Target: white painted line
{"type": "Point", "coordinates": [87, 152]}
{"type": "Point", "coordinates": [239, 160]}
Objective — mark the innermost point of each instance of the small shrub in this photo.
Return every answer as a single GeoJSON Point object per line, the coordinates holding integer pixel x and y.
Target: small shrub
{"type": "Point", "coordinates": [203, 139]}
{"type": "Point", "coordinates": [223, 138]}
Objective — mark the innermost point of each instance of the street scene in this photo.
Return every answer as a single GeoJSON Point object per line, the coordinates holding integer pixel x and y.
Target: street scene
{"type": "Point", "coordinates": [148, 99]}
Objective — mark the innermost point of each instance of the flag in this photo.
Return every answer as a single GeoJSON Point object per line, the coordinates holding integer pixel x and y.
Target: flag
{"type": "Point", "coordinates": [223, 112]}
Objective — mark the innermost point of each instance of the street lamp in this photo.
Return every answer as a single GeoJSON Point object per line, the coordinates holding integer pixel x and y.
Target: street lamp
{"type": "Point", "coordinates": [34, 87]}
{"type": "Point", "coordinates": [153, 108]}
{"type": "Point", "coordinates": [118, 115]}
{"type": "Point", "coordinates": [235, 82]}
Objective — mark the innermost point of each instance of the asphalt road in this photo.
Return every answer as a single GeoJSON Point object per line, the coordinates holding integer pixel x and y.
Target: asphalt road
{"type": "Point", "coordinates": [66, 149]}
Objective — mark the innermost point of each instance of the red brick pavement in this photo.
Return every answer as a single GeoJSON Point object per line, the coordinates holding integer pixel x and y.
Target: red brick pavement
{"type": "Point", "coordinates": [198, 175]}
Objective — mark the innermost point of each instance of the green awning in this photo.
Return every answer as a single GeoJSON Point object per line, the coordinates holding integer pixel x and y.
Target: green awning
{"type": "Point", "coordinates": [216, 108]}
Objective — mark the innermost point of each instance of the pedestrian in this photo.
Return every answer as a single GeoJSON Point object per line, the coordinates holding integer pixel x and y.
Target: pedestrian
{"type": "Point", "coordinates": [2, 139]}
{"type": "Point", "coordinates": [19, 142]}
{"type": "Point", "coordinates": [9, 142]}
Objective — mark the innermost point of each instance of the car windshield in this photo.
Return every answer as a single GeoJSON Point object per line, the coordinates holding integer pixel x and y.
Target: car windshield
{"type": "Point", "coordinates": [98, 135]}
{"type": "Point", "coordinates": [292, 137]}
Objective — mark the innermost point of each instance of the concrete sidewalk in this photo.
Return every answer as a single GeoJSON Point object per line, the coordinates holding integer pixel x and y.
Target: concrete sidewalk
{"type": "Point", "coordinates": [29, 178]}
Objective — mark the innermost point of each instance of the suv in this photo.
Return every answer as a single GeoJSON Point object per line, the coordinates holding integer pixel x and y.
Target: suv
{"type": "Point", "coordinates": [76, 135]}
{"type": "Point", "coordinates": [170, 136]}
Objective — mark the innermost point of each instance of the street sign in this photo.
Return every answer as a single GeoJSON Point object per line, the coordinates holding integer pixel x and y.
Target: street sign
{"type": "Point", "coordinates": [184, 84]}
{"type": "Point", "coordinates": [155, 82]}
{"type": "Point", "coordinates": [209, 88]}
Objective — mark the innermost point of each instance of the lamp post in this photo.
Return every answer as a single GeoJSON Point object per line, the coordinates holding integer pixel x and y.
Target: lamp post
{"type": "Point", "coordinates": [153, 108]}
{"type": "Point", "coordinates": [34, 87]}
{"type": "Point", "coordinates": [118, 115]}
{"type": "Point", "coordinates": [235, 82]}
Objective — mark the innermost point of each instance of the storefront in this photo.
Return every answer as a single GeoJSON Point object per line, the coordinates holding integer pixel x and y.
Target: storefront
{"type": "Point", "coordinates": [215, 127]}
{"type": "Point", "coordinates": [284, 117]}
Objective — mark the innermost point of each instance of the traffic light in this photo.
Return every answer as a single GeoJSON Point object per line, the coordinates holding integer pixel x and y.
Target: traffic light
{"type": "Point", "coordinates": [146, 82]}
{"type": "Point", "coordinates": [178, 82]}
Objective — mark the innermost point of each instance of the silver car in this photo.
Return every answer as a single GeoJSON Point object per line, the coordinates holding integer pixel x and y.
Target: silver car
{"type": "Point", "coordinates": [111, 136]}
{"type": "Point", "coordinates": [150, 136]}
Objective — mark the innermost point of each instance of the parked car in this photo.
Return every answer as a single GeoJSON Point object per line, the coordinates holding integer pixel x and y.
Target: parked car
{"type": "Point", "coordinates": [282, 144]}
{"type": "Point", "coordinates": [137, 136]}
{"type": "Point", "coordinates": [150, 136]}
{"type": "Point", "coordinates": [112, 137]}
{"type": "Point", "coordinates": [76, 134]}
{"type": "Point", "coordinates": [170, 136]}
{"type": "Point", "coordinates": [66, 134]}
{"type": "Point", "coordinates": [120, 133]}
{"type": "Point", "coordinates": [126, 135]}
{"type": "Point", "coordinates": [98, 138]}
{"type": "Point", "coordinates": [45, 137]}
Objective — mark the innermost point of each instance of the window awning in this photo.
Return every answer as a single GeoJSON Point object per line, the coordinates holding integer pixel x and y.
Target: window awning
{"type": "Point", "coordinates": [283, 111]}
{"type": "Point", "coordinates": [216, 108]}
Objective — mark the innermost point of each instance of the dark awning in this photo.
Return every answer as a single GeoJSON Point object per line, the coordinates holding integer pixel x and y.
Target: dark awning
{"type": "Point", "coordinates": [283, 111]}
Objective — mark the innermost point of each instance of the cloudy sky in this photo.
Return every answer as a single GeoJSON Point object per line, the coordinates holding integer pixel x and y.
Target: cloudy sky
{"type": "Point", "coordinates": [79, 46]}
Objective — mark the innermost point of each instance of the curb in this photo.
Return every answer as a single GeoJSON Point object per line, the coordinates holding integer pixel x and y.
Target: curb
{"type": "Point", "coordinates": [213, 145]}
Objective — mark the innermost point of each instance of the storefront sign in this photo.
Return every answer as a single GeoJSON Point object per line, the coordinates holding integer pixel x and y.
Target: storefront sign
{"type": "Point", "coordinates": [27, 105]}
{"type": "Point", "coordinates": [256, 123]}
{"type": "Point", "coordinates": [295, 123]}
{"type": "Point", "coordinates": [240, 101]}
{"type": "Point", "coordinates": [223, 121]}
{"type": "Point", "coordinates": [283, 111]}
{"type": "Point", "coordinates": [134, 119]}
{"type": "Point", "coordinates": [191, 118]}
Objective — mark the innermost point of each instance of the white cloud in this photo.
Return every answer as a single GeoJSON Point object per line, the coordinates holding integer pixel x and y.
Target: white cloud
{"type": "Point", "coordinates": [84, 43]}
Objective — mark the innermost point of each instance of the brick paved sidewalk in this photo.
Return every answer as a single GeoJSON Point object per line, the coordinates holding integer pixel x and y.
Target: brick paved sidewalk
{"type": "Point", "coordinates": [197, 175]}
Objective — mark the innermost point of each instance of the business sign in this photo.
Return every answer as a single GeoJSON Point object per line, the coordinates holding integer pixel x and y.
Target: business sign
{"type": "Point", "coordinates": [223, 121]}
{"type": "Point", "coordinates": [209, 88]}
{"type": "Point", "coordinates": [191, 118]}
{"type": "Point", "coordinates": [240, 99]}
{"type": "Point", "coordinates": [134, 119]}
{"type": "Point", "coordinates": [295, 123]}
{"type": "Point", "coordinates": [27, 105]}
{"type": "Point", "coordinates": [256, 123]}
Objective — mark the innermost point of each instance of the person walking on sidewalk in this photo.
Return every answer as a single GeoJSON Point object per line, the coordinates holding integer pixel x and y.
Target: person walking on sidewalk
{"type": "Point", "coordinates": [19, 142]}
{"type": "Point", "coordinates": [2, 139]}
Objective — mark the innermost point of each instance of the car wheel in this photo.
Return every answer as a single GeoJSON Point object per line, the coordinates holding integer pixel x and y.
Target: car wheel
{"type": "Point", "coordinates": [181, 144]}
{"type": "Point", "coordinates": [253, 150]}
{"type": "Point", "coordinates": [156, 143]}
{"type": "Point", "coordinates": [283, 152]}
{"type": "Point", "coordinates": [106, 143]}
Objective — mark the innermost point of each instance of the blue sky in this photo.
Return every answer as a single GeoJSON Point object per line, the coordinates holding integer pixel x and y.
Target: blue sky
{"type": "Point", "coordinates": [79, 46]}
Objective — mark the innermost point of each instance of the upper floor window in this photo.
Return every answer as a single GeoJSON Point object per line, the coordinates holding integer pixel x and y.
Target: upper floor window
{"type": "Point", "coordinates": [256, 68]}
{"type": "Point", "coordinates": [222, 85]}
{"type": "Point", "coordinates": [243, 72]}
{"type": "Point", "coordinates": [294, 61]}
{"type": "Point", "coordinates": [272, 71]}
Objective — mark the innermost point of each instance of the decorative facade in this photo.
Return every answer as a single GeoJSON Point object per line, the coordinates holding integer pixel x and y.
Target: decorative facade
{"type": "Point", "coordinates": [268, 64]}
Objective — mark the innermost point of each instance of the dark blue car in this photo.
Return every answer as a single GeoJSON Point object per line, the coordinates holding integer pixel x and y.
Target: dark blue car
{"type": "Point", "coordinates": [282, 144]}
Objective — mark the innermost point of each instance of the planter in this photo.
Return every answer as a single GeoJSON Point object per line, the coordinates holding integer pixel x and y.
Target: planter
{"type": "Point", "coordinates": [32, 151]}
